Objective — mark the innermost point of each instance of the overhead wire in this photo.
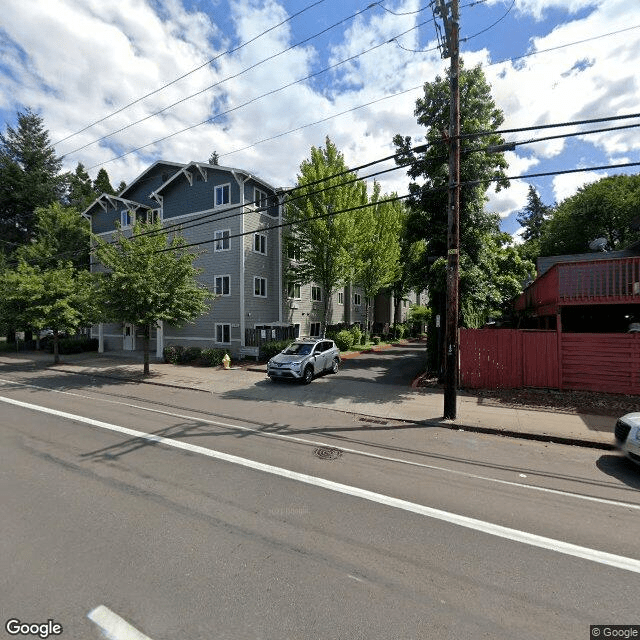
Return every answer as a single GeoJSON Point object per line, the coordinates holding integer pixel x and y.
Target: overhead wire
{"type": "Point", "coordinates": [188, 73]}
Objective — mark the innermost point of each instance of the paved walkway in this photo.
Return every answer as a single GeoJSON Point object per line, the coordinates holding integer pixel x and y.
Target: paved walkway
{"type": "Point", "coordinates": [368, 398]}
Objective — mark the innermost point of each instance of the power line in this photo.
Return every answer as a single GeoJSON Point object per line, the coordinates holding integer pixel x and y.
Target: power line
{"type": "Point", "coordinates": [217, 84]}
{"type": "Point", "coordinates": [269, 93]}
{"type": "Point", "coordinates": [188, 73]}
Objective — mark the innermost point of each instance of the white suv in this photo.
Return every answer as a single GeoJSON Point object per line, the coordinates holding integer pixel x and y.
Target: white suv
{"type": "Point", "coordinates": [628, 435]}
{"type": "Point", "coordinates": [304, 359]}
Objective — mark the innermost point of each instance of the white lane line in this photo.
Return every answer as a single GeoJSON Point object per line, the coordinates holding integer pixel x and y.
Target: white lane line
{"type": "Point", "coordinates": [366, 454]}
{"type": "Point", "coordinates": [113, 626]}
{"type": "Point", "coordinates": [559, 546]}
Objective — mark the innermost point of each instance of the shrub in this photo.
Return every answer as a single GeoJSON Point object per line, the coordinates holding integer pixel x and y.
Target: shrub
{"type": "Point", "coordinates": [344, 340]}
{"type": "Point", "coordinates": [190, 355]}
{"type": "Point", "coordinates": [356, 333]}
{"type": "Point", "coordinates": [399, 330]}
{"type": "Point", "coordinates": [74, 345]}
{"type": "Point", "coordinates": [270, 349]}
{"type": "Point", "coordinates": [172, 353]}
{"type": "Point", "coordinates": [212, 357]}
{"type": "Point", "coordinates": [376, 339]}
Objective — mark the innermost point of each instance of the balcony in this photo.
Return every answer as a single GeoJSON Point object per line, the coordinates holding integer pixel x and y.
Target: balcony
{"type": "Point", "coordinates": [589, 282]}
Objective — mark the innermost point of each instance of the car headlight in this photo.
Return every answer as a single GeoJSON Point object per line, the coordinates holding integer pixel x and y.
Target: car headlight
{"type": "Point", "coordinates": [295, 365]}
{"type": "Point", "coordinates": [637, 436]}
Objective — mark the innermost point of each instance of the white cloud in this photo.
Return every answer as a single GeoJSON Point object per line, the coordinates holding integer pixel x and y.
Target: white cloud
{"type": "Point", "coordinates": [565, 186]}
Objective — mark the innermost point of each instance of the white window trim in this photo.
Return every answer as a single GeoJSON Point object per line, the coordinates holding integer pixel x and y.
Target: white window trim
{"type": "Point", "coordinates": [294, 285]}
{"type": "Point", "coordinates": [357, 299]}
{"type": "Point", "coordinates": [221, 238]}
{"type": "Point", "coordinates": [259, 295]}
{"type": "Point", "coordinates": [215, 288]}
{"type": "Point", "coordinates": [258, 195]}
{"type": "Point", "coordinates": [132, 217]}
{"type": "Point", "coordinates": [222, 324]}
{"type": "Point", "coordinates": [215, 195]}
{"type": "Point", "coordinates": [314, 335]}
{"type": "Point", "coordinates": [319, 290]}
{"type": "Point", "coordinates": [340, 297]}
{"type": "Point", "coordinates": [260, 235]}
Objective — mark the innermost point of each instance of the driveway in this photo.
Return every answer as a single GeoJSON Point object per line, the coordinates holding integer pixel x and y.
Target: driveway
{"type": "Point", "coordinates": [397, 365]}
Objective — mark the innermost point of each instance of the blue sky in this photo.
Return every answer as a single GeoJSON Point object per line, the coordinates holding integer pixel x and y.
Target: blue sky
{"type": "Point", "coordinates": [77, 61]}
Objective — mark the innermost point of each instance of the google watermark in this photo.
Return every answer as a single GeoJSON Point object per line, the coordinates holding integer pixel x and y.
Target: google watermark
{"type": "Point", "coordinates": [15, 627]}
{"type": "Point", "coordinates": [614, 631]}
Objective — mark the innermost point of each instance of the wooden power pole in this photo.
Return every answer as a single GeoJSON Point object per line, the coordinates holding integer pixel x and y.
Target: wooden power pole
{"type": "Point", "coordinates": [448, 11]}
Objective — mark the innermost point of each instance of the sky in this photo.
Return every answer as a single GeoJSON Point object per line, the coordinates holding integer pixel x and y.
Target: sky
{"type": "Point", "coordinates": [122, 84]}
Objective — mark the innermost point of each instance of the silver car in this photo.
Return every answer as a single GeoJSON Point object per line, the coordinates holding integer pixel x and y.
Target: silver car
{"type": "Point", "coordinates": [304, 359]}
{"type": "Point", "coordinates": [627, 433]}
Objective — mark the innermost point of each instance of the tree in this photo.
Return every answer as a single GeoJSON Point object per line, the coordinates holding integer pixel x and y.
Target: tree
{"type": "Point", "coordinates": [81, 191]}
{"type": "Point", "coordinates": [60, 298]}
{"type": "Point", "coordinates": [149, 279]}
{"type": "Point", "coordinates": [121, 187]}
{"type": "Point", "coordinates": [61, 235]}
{"type": "Point", "coordinates": [429, 173]}
{"type": "Point", "coordinates": [214, 158]}
{"type": "Point", "coordinates": [533, 216]}
{"type": "Point", "coordinates": [325, 245]}
{"type": "Point", "coordinates": [604, 209]}
{"type": "Point", "coordinates": [29, 176]}
{"type": "Point", "coordinates": [102, 184]}
{"type": "Point", "coordinates": [377, 254]}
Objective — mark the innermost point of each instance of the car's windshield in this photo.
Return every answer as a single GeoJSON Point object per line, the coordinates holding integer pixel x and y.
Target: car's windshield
{"type": "Point", "coordinates": [298, 349]}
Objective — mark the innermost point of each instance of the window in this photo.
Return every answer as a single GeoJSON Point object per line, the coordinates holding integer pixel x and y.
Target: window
{"type": "Point", "coordinates": [315, 329]}
{"type": "Point", "coordinates": [293, 290]}
{"type": "Point", "coordinates": [222, 285]}
{"type": "Point", "coordinates": [154, 215]}
{"type": "Point", "coordinates": [296, 330]}
{"type": "Point", "coordinates": [260, 287]}
{"type": "Point", "coordinates": [340, 297]}
{"type": "Point", "coordinates": [221, 240]}
{"type": "Point", "coordinates": [293, 252]}
{"type": "Point", "coordinates": [260, 198]}
{"type": "Point", "coordinates": [357, 300]}
{"type": "Point", "coordinates": [223, 333]}
{"type": "Point", "coordinates": [260, 243]}
{"type": "Point", "coordinates": [223, 195]}
{"type": "Point", "coordinates": [127, 219]}
{"type": "Point", "coordinates": [316, 294]}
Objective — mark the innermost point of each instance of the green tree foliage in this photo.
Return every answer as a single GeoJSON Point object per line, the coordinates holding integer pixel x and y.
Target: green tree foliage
{"type": "Point", "coordinates": [149, 279]}
{"type": "Point", "coordinates": [62, 235]}
{"type": "Point", "coordinates": [102, 184]}
{"type": "Point", "coordinates": [532, 218]}
{"type": "Point", "coordinates": [29, 176]}
{"type": "Point", "coordinates": [61, 298]}
{"type": "Point", "coordinates": [81, 192]}
{"type": "Point", "coordinates": [121, 187]}
{"type": "Point", "coordinates": [324, 246]}
{"type": "Point", "coordinates": [603, 209]}
{"type": "Point", "coordinates": [377, 248]}
{"type": "Point", "coordinates": [428, 205]}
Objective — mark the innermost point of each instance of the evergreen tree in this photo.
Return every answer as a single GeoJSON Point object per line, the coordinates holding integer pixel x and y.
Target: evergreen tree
{"type": "Point", "coordinates": [102, 184]}
{"type": "Point", "coordinates": [29, 176]}
{"type": "Point", "coordinates": [81, 191]}
{"type": "Point", "coordinates": [533, 216]}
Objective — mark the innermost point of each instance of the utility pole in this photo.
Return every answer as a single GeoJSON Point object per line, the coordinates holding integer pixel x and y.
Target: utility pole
{"type": "Point", "coordinates": [449, 13]}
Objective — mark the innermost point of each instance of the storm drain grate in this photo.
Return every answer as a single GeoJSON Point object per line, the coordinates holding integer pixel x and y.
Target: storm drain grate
{"type": "Point", "coordinates": [327, 453]}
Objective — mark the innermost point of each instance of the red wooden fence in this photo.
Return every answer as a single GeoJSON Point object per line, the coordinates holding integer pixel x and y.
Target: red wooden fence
{"type": "Point", "coordinates": [510, 358]}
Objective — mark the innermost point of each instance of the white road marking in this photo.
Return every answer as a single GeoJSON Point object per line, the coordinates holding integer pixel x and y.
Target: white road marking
{"type": "Point", "coordinates": [559, 546]}
{"type": "Point", "coordinates": [113, 626]}
{"type": "Point", "coordinates": [359, 452]}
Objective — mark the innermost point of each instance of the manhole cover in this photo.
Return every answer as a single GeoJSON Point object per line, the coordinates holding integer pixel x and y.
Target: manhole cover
{"type": "Point", "coordinates": [327, 453]}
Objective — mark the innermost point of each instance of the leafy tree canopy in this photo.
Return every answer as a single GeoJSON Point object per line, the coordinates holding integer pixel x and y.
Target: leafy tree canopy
{"type": "Point", "coordinates": [324, 246]}
{"type": "Point", "coordinates": [604, 209]}
{"type": "Point", "coordinates": [149, 279]}
{"type": "Point", "coordinates": [102, 184]}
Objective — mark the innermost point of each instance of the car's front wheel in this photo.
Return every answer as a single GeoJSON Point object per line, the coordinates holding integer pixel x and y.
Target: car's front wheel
{"type": "Point", "coordinates": [307, 376]}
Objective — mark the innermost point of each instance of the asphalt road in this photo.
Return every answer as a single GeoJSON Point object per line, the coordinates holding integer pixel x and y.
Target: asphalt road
{"type": "Point", "coordinates": [399, 364]}
{"type": "Point", "coordinates": [195, 516]}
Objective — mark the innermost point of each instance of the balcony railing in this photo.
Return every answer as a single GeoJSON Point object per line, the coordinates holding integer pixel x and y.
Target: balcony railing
{"type": "Point", "coordinates": [613, 281]}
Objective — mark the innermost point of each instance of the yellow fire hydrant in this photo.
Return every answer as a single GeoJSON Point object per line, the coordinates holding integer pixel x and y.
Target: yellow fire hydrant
{"type": "Point", "coordinates": [226, 361]}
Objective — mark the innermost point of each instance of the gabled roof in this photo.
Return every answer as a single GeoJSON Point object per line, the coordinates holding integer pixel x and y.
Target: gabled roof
{"type": "Point", "coordinates": [106, 198]}
{"type": "Point", "coordinates": [201, 166]}
{"type": "Point", "coordinates": [174, 165]}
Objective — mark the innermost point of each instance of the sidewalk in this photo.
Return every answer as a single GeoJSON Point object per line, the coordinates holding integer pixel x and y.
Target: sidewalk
{"type": "Point", "coordinates": [383, 401]}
